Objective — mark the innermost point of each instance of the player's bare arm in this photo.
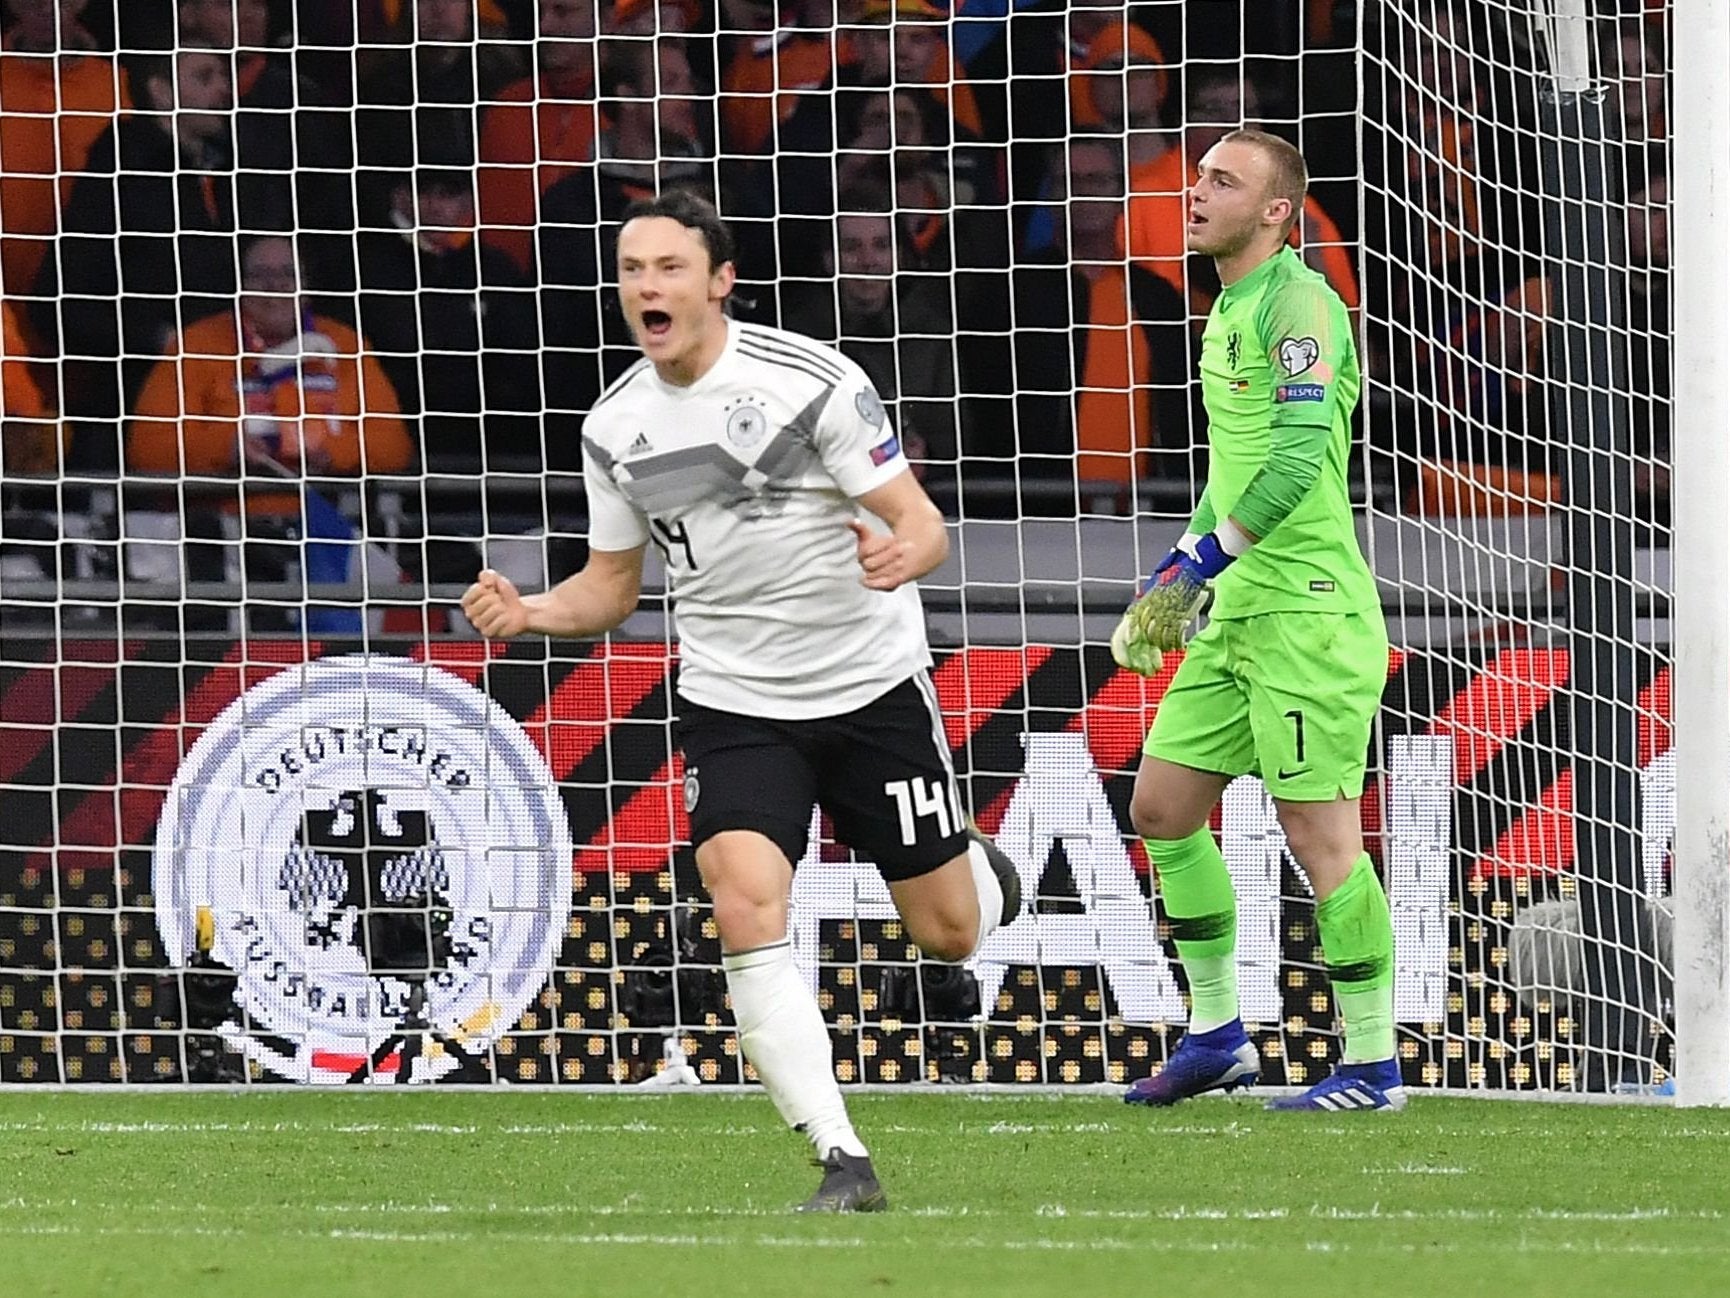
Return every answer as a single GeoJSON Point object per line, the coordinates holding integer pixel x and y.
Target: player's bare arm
{"type": "Point", "coordinates": [916, 542]}
{"type": "Point", "coordinates": [588, 603]}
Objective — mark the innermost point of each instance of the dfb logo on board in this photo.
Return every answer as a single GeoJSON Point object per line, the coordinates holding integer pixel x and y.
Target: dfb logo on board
{"type": "Point", "coordinates": [378, 852]}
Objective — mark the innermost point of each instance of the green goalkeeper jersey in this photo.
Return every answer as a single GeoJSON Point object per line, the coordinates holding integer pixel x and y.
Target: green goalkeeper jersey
{"type": "Point", "coordinates": [1279, 377]}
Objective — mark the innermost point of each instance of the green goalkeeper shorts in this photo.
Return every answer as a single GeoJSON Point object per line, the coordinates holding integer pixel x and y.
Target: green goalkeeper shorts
{"type": "Point", "coordinates": [1287, 696]}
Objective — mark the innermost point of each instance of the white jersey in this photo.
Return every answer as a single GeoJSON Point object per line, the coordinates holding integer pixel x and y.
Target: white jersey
{"type": "Point", "coordinates": [746, 481]}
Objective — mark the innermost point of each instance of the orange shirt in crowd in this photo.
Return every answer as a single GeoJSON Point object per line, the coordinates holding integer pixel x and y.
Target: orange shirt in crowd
{"type": "Point", "coordinates": [537, 135]}
{"type": "Point", "coordinates": [750, 106]}
{"type": "Point", "coordinates": [1117, 43]}
{"type": "Point", "coordinates": [51, 111]}
{"type": "Point", "coordinates": [190, 416]}
{"type": "Point", "coordinates": [21, 395]}
{"type": "Point", "coordinates": [37, 446]}
{"type": "Point", "coordinates": [1114, 405]}
{"type": "Point", "coordinates": [1154, 228]}
{"type": "Point", "coordinates": [795, 62]}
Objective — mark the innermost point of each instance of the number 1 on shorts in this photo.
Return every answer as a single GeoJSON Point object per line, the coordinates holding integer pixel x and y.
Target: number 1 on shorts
{"type": "Point", "coordinates": [1297, 718]}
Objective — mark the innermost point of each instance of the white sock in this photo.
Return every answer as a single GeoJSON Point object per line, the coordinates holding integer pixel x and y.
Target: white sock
{"type": "Point", "coordinates": [990, 892]}
{"type": "Point", "coordinates": [781, 1032]}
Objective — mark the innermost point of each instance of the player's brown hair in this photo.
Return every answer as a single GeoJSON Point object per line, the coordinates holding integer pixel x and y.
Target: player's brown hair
{"type": "Point", "coordinates": [694, 212]}
{"type": "Point", "coordinates": [1291, 178]}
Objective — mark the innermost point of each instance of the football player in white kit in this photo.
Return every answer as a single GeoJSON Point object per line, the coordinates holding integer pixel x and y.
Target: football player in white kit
{"type": "Point", "coordinates": [761, 464]}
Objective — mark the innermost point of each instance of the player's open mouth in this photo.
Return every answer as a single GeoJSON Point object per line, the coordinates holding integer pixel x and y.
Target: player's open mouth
{"type": "Point", "coordinates": [657, 324]}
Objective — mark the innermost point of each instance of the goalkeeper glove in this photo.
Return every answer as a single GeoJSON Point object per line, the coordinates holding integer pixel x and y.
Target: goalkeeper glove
{"type": "Point", "coordinates": [1130, 651]}
{"type": "Point", "coordinates": [1178, 590]}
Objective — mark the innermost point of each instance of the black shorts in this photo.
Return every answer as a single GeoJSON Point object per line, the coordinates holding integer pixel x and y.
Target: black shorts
{"type": "Point", "coordinates": [882, 773]}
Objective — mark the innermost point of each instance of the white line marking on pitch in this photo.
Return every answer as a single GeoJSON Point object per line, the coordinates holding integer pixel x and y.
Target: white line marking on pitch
{"type": "Point", "coordinates": [634, 1127]}
{"type": "Point", "coordinates": [1036, 1244]}
{"type": "Point", "coordinates": [1188, 1213]}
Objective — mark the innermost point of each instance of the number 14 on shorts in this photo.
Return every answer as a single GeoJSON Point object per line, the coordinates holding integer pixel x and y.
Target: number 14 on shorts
{"type": "Point", "coordinates": [926, 797]}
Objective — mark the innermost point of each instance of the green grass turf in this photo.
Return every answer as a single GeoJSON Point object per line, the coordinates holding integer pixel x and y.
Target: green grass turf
{"type": "Point", "coordinates": [332, 1194]}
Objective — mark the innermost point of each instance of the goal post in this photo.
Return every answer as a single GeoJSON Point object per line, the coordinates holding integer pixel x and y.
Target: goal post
{"type": "Point", "coordinates": [1700, 215]}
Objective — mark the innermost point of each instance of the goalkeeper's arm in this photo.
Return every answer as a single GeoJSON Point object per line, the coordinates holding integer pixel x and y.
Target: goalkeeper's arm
{"type": "Point", "coordinates": [1177, 590]}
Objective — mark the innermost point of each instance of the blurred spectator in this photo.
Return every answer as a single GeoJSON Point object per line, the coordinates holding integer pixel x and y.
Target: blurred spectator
{"type": "Point", "coordinates": [381, 22]}
{"type": "Point", "coordinates": [1117, 89]}
{"type": "Point", "coordinates": [280, 121]}
{"type": "Point", "coordinates": [30, 438]}
{"type": "Point", "coordinates": [270, 388]}
{"type": "Point", "coordinates": [650, 17]}
{"type": "Point", "coordinates": [45, 27]}
{"type": "Point", "coordinates": [906, 43]}
{"type": "Point", "coordinates": [768, 75]}
{"type": "Point", "coordinates": [57, 96]}
{"type": "Point", "coordinates": [542, 129]}
{"type": "Point", "coordinates": [1043, 45]}
{"type": "Point", "coordinates": [264, 75]}
{"type": "Point", "coordinates": [148, 233]}
{"type": "Point", "coordinates": [1631, 63]}
{"type": "Point", "coordinates": [898, 137]}
{"type": "Point", "coordinates": [1119, 82]}
{"type": "Point", "coordinates": [656, 137]}
{"type": "Point", "coordinates": [1099, 360]}
{"type": "Point", "coordinates": [419, 95]}
{"type": "Point", "coordinates": [657, 132]}
{"type": "Point", "coordinates": [453, 325]}
{"type": "Point", "coordinates": [1476, 366]}
{"type": "Point", "coordinates": [651, 140]}
{"type": "Point", "coordinates": [876, 306]}
{"type": "Point", "coordinates": [1154, 229]}
{"type": "Point", "coordinates": [1433, 124]}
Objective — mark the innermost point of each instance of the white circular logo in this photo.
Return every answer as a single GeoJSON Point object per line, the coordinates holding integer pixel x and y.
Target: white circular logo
{"type": "Point", "coordinates": [746, 426]}
{"type": "Point", "coordinates": [382, 855]}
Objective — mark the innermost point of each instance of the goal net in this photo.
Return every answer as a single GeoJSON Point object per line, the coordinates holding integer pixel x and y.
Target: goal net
{"type": "Point", "coordinates": [301, 328]}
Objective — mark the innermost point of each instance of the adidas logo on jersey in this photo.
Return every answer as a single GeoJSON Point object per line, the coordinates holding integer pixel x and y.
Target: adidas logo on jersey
{"type": "Point", "coordinates": [640, 446]}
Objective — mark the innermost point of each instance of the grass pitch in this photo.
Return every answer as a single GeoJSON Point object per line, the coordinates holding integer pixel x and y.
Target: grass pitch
{"type": "Point", "coordinates": [334, 1194]}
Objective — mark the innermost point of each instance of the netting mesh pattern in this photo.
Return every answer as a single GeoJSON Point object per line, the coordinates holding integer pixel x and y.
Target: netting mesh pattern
{"type": "Point", "coordinates": [304, 306]}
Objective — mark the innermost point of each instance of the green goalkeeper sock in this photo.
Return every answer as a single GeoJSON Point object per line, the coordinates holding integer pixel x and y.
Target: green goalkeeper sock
{"type": "Point", "coordinates": [1358, 945]}
{"type": "Point", "coordinates": [1201, 908]}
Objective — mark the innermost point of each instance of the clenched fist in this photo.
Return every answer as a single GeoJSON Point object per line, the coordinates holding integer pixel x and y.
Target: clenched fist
{"type": "Point", "coordinates": [883, 556]}
{"type": "Point", "coordinates": [495, 608]}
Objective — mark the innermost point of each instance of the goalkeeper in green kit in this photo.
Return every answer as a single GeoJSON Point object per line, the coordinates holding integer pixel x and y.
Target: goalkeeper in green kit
{"type": "Point", "coordinates": [1285, 680]}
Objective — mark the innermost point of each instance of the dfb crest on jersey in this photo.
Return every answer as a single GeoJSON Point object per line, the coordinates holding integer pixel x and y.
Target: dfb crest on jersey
{"type": "Point", "coordinates": [869, 405]}
{"type": "Point", "coordinates": [746, 425]}
{"type": "Point", "coordinates": [382, 859]}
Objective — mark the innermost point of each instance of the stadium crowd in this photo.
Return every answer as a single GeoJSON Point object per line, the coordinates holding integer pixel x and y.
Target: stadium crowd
{"type": "Point", "coordinates": [366, 241]}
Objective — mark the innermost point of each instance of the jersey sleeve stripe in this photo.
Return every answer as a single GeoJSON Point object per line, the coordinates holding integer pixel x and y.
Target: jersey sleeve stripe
{"type": "Point", "coordinates": [602, 457]}
{"type": "Point", "coordinates": [790, 341]}
{"type": "Point", "coordinates": [785, 346]}
{"type": "Point", "coordinates": [769, 358]}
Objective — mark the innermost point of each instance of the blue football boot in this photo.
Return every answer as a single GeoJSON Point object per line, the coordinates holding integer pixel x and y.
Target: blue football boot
{"type": "Point", "coordinates": [1351, 1088]}
{"type": "Point", "coordinates": [1219, 1060]}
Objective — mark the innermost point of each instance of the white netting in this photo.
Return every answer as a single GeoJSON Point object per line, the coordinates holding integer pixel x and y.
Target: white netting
{"type": "Point", "coordinates": [984, 209]}
{"type": "Point", "coordinates": [1515, 201]}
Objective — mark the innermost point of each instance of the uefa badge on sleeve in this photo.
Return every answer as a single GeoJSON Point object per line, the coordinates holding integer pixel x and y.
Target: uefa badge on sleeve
{"type": "Point", "coordinates": [870, 406]}
{"type": "Point", "coordinates": [1297, 354]}
{"type": "Point", "coordinates": [380, 854]}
